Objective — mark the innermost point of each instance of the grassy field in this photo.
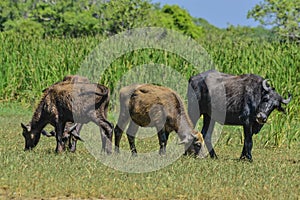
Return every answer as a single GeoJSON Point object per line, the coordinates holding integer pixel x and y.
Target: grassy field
{"type": "Point", "coordinates": [41, 173]}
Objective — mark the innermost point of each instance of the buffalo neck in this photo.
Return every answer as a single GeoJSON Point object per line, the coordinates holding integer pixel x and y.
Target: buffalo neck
{"type": "Point", "coordinates": [39, 119]}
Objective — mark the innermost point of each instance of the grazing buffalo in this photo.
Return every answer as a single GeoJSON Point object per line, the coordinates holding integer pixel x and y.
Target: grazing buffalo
{"type": "Point", "coordinates": [150, 105]}
{"type": "Point", "coordinates": [246, 100]}
{"type": "Point", "coordinates": [68, 102]}
{"type": "Point", "coordinates": [71, 131]}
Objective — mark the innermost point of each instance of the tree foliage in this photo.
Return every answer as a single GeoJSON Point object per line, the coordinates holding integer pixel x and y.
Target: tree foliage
{"type": "Point", "coordinates": [179, 19]}
{"type": "Point", "coordinates": [76, 18]}
{"type": "Point", "coordinates": [90, 17]}
{"type": "Point", "coordinates": [283, 15]}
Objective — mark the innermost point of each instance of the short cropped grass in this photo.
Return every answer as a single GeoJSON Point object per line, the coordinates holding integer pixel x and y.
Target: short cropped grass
{"type": "Point", "coordinates": [41, 173]}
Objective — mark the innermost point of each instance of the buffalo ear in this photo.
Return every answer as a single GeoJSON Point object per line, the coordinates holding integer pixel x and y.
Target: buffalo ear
{"type": "Point", "coordinates": [24, 127]}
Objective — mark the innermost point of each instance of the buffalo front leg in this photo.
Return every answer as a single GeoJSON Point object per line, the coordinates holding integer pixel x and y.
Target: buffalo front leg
{"type": "Point", "coordinates": [108, 130]}
{"type": "Point", "coordinates": [163, 139]}
{"type": "Point", "coordinates": [73, 140]}
{"type": "Point", "coordinates": [59, 129]}
{"type": "Point", "coordinates": [248, 143]}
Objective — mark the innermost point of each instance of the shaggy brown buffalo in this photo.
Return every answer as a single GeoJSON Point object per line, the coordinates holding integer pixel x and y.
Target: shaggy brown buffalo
{"type": "Point", "coordinates": [150, 105]}
{"type": "Point", "coordinates": [69, 102]}
{"type": "Point", "coordinates": [71, 131]}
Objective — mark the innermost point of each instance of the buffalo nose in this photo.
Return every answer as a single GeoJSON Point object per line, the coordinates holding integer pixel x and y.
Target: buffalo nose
{"type": "Point", "coordinates": [261, 118]}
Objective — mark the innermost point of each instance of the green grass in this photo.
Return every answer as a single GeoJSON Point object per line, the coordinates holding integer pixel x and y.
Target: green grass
{"type": "Point", "coordinates": [41, 173]}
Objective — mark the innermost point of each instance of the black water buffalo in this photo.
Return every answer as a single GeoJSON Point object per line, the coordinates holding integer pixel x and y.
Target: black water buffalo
{"type": "Point", "coordinates": [246, 100]}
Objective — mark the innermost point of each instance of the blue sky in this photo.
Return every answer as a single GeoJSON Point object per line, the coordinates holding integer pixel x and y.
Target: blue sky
{"type": "Point", "coordinates": [220, 13]}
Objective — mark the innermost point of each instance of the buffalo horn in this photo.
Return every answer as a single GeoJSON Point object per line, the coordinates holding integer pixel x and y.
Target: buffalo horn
{"type": "Point", "coordinates": [75, 134]}
{"type": "Point", "coordinates": [72, 127]}
{"type": "Point", "coordinates": [264, 84]}
{"type": "Point", "coordinates": [45, 133]}
{"type": "Point", "coordinates": [183, 142]}
{"type": "Point", "coordinates": [199, 138]}
{"type": "Point", "coordinates": [286, 101]}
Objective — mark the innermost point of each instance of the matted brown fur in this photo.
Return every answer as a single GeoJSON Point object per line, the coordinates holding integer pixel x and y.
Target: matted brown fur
{"type": "Point", "coordinates": [69, 135]}
{"type": "Point", "coordinates": [65, 102]}
{"type": "Point", "coordinates": [149, 105]}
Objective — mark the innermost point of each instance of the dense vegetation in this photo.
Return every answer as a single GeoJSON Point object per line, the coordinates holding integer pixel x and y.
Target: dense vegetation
{"type": "Point", "coordinates": [28, 66]}
{"type": "Point", "coordinates": [42, 41]}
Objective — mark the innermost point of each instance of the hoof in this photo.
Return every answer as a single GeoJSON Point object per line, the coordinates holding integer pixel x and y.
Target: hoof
{"type": "Point", "coordinates": [245, 158]}
{"type": "Point", "coordinates": [162, 152]}
{"type": "Point", "coordinates": [134, 154]}
{"type": "Point", "coordinates": [117, 150]}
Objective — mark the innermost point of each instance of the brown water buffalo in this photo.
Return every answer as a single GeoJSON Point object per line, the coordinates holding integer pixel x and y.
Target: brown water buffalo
{"type": "Point", "coordinates": [150, 105]}
{"type": "Point", "coordinates": [69, 102]}
{"type": "Point", "coordinates": [71, 131]}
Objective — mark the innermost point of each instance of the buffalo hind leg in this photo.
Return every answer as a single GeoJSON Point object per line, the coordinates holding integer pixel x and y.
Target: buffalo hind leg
{"type": "Point", "coordinates": [131, 132]}
{"type": "Point", "coordinates": [118, 135]}
{"type": "Point", "coordinates": [108, 130]}
{"type": "Point", "coordinates": [193, 105]}
{"type": "Point", "coordinates": [248, 143]}
{"type": "Point", "coordinates": [119, 129]}
{"type": "Point", "coordinates": [208, 127]}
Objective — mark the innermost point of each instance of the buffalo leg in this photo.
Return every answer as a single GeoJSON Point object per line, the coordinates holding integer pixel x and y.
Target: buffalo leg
{"type": "Point", "coordinates": [118, 135]}
{"type": "Point", "coordinates": [103, 140]}
{"type": "Point", "coordinates": [119, 129]}
{"type": "Point", "coordinates": [73, 140]}
{"type": "Point", "coordinates": [208, 127]}
{"type": "Point", "coordinates": [248, 143]}
{"type": "Point", "coordinates": [163, 139]}
{"type": "Point", "coordinates": [108, 129]}
{"type": "Point", "coordinates": [193, 105]}
{"type": "Point", "coordinates": [131, 132]}
{"type": "Point", "coordinates": [59, 129]}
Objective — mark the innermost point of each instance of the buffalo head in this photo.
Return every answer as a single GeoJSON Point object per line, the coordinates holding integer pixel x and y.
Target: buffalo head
{"type": "Point", "coordinates": [31, 138]}
{"type": "Point", "coordinates": [270, 100]}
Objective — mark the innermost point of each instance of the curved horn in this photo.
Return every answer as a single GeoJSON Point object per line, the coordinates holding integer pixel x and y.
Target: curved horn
{"type": "Point", "coordinates": [185, 141]}
{"type": "Point", "coordinates": [286, 101]}
{"type": "Point", "coordinates": [199, 138]}
{"type": "Point", "coordinates": [76, 135]}
{"type": "Point", "coordinates": [45, 133]}
{"type": "Point", "coordinates": [70, 129]}
{"type": "Point", "coordinates": [265, 86]}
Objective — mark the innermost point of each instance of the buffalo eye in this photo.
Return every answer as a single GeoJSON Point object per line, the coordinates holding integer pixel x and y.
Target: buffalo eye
{"type": "Point", "coordinates": [281, 109]}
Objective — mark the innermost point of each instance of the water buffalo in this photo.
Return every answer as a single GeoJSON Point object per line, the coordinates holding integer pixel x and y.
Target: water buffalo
{"type": "Point", "coordinates": [71, 131]}
{"type": "Point", "coordinates": [69, 102]}
{"type": "Point", "coordinates": [150, 105]}
{"type": "Point", "coordinates": [246, 100]}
